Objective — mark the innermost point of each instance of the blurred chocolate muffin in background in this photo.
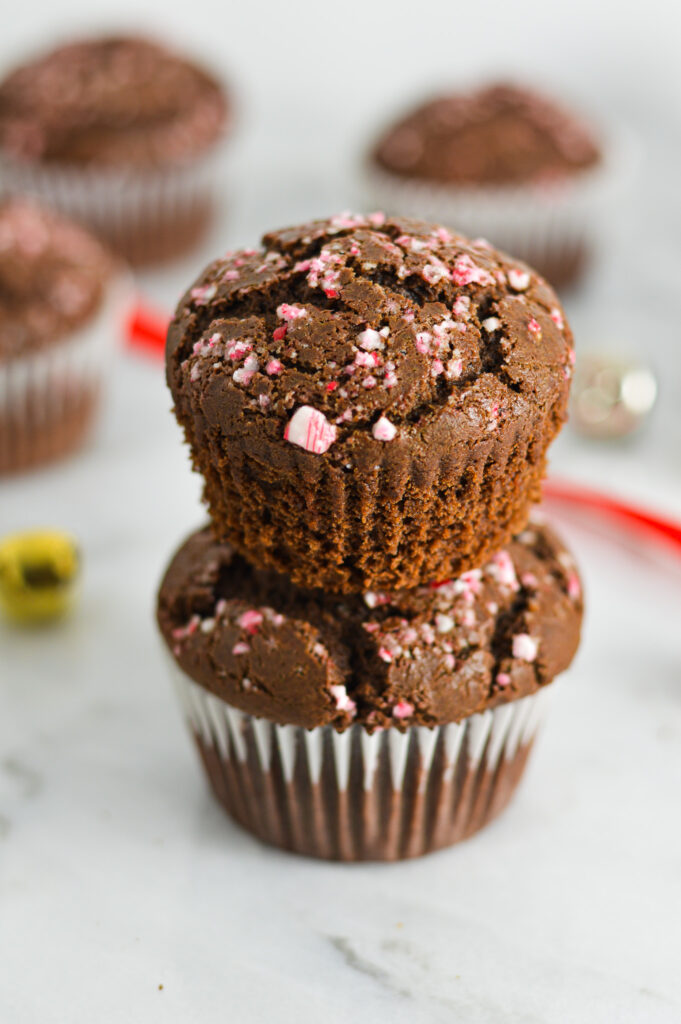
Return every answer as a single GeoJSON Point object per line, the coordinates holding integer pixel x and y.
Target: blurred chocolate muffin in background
{"type": "Point", "coordinates": [62, 303]}
{"type": "Point", "coordinates": [504, 163]}
{"type": "Point", "coordinates": [120, 133]}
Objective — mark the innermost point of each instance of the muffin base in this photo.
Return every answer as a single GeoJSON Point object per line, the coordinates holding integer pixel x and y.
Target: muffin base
{"type": "Point", "coordinates": [356, 796]}
{"type": "Point", "coordinates": [30, 438]}
{"type": "Point", "coordinates": [49, 398]}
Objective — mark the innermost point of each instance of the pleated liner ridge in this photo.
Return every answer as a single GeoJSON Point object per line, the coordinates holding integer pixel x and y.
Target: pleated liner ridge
{"type": "Point", "coordinates": [410, 520]}
{"type": "Point", "coordinates": [357, 796]}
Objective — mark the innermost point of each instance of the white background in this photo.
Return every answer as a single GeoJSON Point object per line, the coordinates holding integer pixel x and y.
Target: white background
{"type": "Point", "coordinates": [117, 873]}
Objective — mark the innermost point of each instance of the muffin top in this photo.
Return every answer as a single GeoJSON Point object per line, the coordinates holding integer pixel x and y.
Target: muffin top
{"type": "Point", "coordinates": [52, 277]}
{"type": "Point", "coordinates": [500, 135]}
{"type": "Point", "coordinates": [427, 656]}
{"type": "Point", "coordinates": [115, 101]}
{"type": "Point", "coordinates": [345, 335]}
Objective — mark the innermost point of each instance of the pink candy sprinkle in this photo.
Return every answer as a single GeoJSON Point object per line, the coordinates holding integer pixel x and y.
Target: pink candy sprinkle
{"type": "Point", "coordinates": [574, 586]}
{"type": "Point", "coordinates": [534, 327]}
{"type": "Point", "coordinates": [519, 280]}
{"type": "Point", "coordinates": [203, 294]}
{"type": "Point", "coordinates": [237, 349]}
{"type": "Point", "coordinates": [343, 701]}
{"type": "Point", "coordinates": [465, 272]}
{"type": "Point", "coordinates": [557, 318]}
{"type": "Point", "coordinates": [423, 340]}
{"type": "Point", "coordinates": [241, 648]}
{"type": "Point", "coordinates": [274, 367]}
{"type": "Point", "coordinates": [503, 679]}
{"type": "Point", "coordinates": [383, 429]}
{"type": "Point", "coordinates": [310, 429]}
{"type": "Point", "coordinates": [502, 569]}
{"type": "Point", "coordinates": [245, 374]}
{"type": "Point", "coordinates": [250, 621]}
{"type": "Point", "coordinates": [403, 709]}
{"type": "Point", "coordinates": [524, 647]}
{"type": "Point", "coordinates": [288, 313]}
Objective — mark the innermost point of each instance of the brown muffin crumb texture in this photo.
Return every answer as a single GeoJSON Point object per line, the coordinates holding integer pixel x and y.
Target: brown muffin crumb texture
{"type": "Point", "coordinates": [429, 656]}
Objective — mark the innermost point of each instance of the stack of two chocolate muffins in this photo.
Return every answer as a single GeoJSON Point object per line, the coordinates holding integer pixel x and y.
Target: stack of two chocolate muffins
{"type": "Point", "coordinates": [363, 636]}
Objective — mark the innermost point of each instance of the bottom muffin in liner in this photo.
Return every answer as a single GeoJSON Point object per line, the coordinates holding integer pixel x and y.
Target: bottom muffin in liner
{"type": "Point", "coordinates": [356, 795]}
{"type": "Point", "coordinates": [49, 398]}
{"type": "Point", "coordinates": [368, 726]}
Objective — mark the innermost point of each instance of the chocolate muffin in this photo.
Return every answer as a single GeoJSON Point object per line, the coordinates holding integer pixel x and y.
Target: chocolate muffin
{"type": "Point", "coordinates": [502, 161]}
{"type": "Point", "coordinates": [369, 401]}
{"type": "Point", "coordinates": [376, 725]}
{"type": "Point", "coordinates": [59, 311]}
{"type": "Point", "coordinates": [120, 132]}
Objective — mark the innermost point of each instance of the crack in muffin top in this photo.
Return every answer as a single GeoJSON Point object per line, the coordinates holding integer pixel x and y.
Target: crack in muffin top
{"type": "Point", "coordinates": [357, 323]}
{"type": "Point", "coordinates": [110, 101]}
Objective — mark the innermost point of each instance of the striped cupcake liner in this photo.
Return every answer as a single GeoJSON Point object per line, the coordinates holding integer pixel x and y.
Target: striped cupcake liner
{"type": "Point", "coordinates": [355, 796]}
{"type": "Point", "coordinates": [48, 399]}
{"type": "Point", "coordinates": [145, 217]}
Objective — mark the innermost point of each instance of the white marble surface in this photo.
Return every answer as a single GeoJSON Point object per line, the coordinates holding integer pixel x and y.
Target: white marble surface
{"type": "Point", "coordinates": [118, 874]}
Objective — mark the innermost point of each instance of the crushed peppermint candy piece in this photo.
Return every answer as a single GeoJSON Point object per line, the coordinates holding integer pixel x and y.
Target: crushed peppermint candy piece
{"type": "Point", "coordinates": [244, 375]}
{"type": "Point", "coordinates": [343, 701]}
{"type": "Point", "coordinates": [310, 429]}
{"type": "Point", "coordinates": [492, 323]}
{"type": "Point", "coordinates": [519, 280]}
{"type": "Point", "coordinates": [524, 647]}
{"type": "Point", "coordinates": [444, 623]}
{"type": "Point", "coordinates": [503, 679]}
{"type": "Point", "coordinates": [557, 318]}
{"type": "Point", "coordinates": [241, 647]}
{"type": "Point", "coordinates": [288, 313]}
{"type": "Point", "coordinates": [403, 709]}
{"type": "Point", "coordinates": [203, 294]}
{"type": "Point", "coordinates": [274, 367]}
{"type": "Point", "coordinates": [534, 327]}
{"type": "Point", "coordinates": [370, 340]}
{"type": "Point", "coordinates": [384, 430]}
{"type": "Point", "coordinates": [250, 621]}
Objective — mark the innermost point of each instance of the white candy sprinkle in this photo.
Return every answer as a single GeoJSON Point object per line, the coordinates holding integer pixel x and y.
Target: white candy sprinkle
{"type": "Point", "coordinates": [524, 647]}
{"type": "Point", "coordinates": [383, 429]}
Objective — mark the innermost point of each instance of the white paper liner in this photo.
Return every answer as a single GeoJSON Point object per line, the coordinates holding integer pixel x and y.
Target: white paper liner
{"type": "Point", "coordinates": [41, 392]}
{"type": "Point", "coordinates": [123, 206]}
{"type": "Point", "coordinates": [454, 778]}
{"type": "Point", "coordinates": [547, 227]}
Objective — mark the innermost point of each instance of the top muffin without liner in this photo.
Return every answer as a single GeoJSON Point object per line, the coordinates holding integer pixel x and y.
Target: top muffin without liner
{"type": "Point", "coordinates": [369, 400]}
